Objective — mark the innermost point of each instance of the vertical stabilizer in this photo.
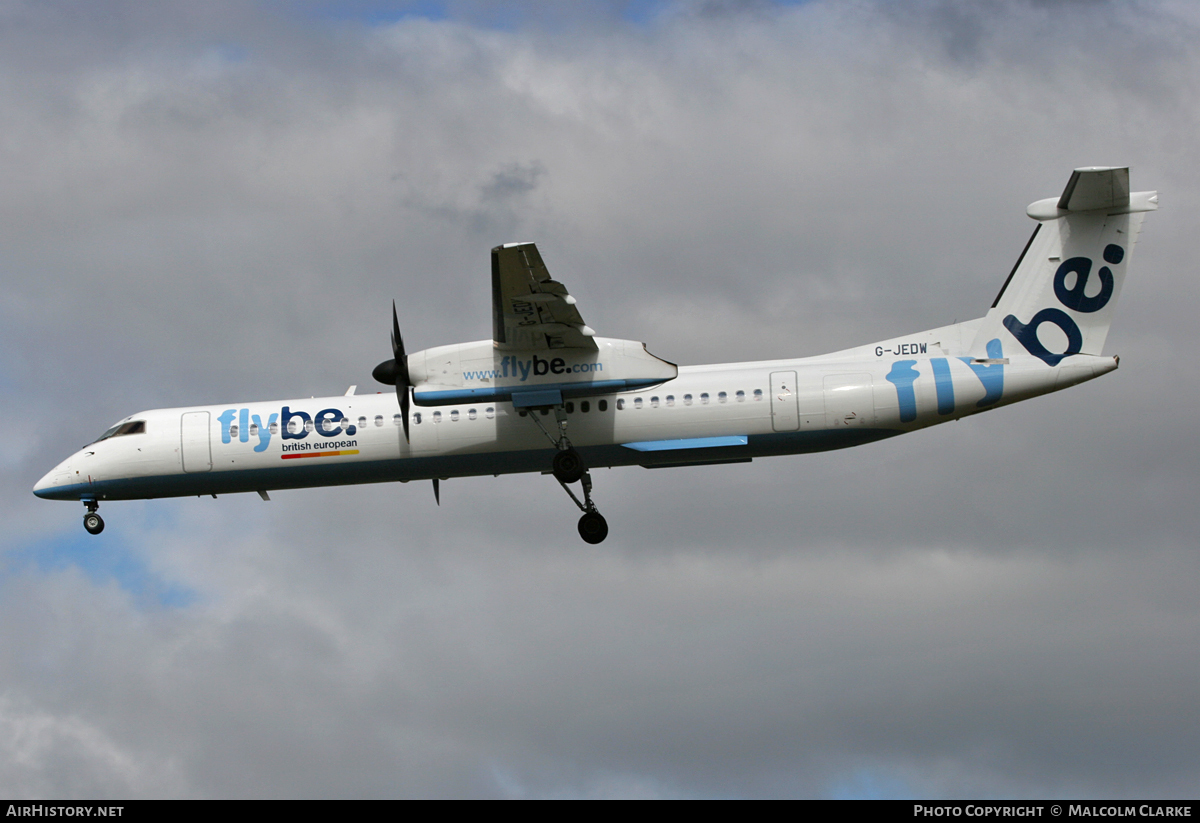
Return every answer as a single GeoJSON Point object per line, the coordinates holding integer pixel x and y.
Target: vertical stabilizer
{"type": "Point", "coordinates": [1059, 298]}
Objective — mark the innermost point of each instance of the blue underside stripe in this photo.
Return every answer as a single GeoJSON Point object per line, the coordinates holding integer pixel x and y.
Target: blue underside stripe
{"type": "Point", "coordinates": [687, 443]}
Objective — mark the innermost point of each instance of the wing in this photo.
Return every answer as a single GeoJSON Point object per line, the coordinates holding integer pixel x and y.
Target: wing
{"type": "Point", "coordinates": [529, 310]}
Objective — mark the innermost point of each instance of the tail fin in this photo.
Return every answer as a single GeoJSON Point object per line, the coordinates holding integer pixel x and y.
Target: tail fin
{"type": "Point", "coordinates": [1059, 298]}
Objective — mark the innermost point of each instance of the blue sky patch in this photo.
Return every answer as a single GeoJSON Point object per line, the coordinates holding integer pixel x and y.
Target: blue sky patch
{"type": "Point", "coordinates": [103, 558]}
{"type": "Point", "coordinates": [871, 784]}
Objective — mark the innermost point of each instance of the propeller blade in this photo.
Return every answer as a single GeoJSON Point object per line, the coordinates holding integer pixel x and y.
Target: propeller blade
{"type": "Point", "coordinates": [398, 349]}
{"type": "Point", "coordinates": [394, 372]}
{"type": "Point", "coordinates": [437, 493]}
{"type": "Point", "coordinates": [403, 394]}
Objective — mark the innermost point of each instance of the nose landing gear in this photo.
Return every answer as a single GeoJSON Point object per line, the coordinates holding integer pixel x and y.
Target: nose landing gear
{"type": "Point", "coordinates": [92, 522]}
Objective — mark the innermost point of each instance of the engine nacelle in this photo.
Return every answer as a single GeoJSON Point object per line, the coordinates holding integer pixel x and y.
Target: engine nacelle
{"type": "Point", "coordinates": [480, 372]}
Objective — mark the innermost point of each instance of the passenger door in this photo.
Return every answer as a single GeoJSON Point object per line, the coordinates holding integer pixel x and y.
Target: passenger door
{"type": "Point", "coordinates": [194, 447]}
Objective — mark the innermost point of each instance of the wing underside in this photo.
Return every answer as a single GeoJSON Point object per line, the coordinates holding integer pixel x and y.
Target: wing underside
{"type": "Point", "coordinates": [529, 309]}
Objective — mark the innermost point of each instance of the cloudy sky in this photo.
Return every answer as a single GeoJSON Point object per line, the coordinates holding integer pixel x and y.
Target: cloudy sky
{"type": "Point", "coordinates": [205, 203]}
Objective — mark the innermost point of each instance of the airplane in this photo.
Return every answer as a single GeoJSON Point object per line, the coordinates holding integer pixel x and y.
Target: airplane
{"type": "Point", "coordinates": [546, 394]}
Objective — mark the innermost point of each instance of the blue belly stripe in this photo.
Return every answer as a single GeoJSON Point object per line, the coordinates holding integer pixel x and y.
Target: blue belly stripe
{"type": "Point", "coordinates": [687, 443]}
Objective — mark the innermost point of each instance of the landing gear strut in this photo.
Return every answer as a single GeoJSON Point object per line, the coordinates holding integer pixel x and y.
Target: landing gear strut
{"type": "Point", "coordinates": [92, 521]}
{"type": "Point", "coordinates": [568, 467]}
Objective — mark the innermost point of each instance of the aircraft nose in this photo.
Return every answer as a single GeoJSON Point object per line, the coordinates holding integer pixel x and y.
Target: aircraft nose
{"type": "Point", "coordinates": [43, 487]}
{"type": "Point", "coordinates": [53, 483]}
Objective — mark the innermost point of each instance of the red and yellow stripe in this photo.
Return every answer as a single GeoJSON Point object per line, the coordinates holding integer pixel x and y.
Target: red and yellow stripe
{"type": "Point", "coordinates": [295, 455]}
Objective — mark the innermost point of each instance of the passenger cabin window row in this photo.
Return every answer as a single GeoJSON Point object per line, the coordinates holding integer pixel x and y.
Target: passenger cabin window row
{"type": "Point", "coordinates": [455, 416]}
{"type": "Point", "coordinates": [704, 399]}
{"type": "Point", "coordinates": [585, 406]}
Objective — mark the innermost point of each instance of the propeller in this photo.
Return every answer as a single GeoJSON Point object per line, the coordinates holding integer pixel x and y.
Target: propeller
{"type": "Point", "coordinates": [394, 372]}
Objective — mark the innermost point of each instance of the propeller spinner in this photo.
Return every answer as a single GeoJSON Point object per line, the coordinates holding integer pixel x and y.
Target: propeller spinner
{"type": "Point", "coordinates": [394, 372]}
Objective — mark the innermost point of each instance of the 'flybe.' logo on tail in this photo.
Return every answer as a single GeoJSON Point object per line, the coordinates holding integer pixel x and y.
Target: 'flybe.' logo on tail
{"type": "Point", "coordinates": [512, 367]}
{"type": "Point", "coordinates": [1073, 297]}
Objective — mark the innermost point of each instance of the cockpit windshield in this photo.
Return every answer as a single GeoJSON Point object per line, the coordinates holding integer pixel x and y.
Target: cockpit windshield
{"type": "Point", "coordinates": [121, 429]}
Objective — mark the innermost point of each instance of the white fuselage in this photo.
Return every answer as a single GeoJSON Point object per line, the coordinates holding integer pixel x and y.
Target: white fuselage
{"type": "Point", "coordinates": [707, 414]}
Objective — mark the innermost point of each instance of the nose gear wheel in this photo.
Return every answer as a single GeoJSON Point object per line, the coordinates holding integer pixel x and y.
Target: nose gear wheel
{"type": "Point", "coordinates": [92, 522]}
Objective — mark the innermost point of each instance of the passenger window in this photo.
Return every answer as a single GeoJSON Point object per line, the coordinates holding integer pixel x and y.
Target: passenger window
{"type": "Point", "coordinates": [758, 394]}
{"type": "Point", "coordinates": [637, 402]}
{"type": "Point", "coordinates": [273, 428]}
{"type": "Point", "coordinates": [233, 430]}
{"type": "Point", "coordinates": [471, 414]}
{"type": "Point", "coordinates": [254, 430]}
{"type": "Point", "coordinates": [704, 398]}
{"type": "Point", "coordinates": [454, 416]}
{"type": "Point", "coordinates": [670, 400]}
{"type": "Point", "coordinates": [620, 403]}
{"type": "Point", "coordinates": [490, 411]}
{"type": "Point", "coordinates": [722, 397]}
{"type": "Point", "coordinates": [378, 420]}
{"type": "Point", "coordinates": [741, 396]}
{"type": "Point", "coordinates": [602, 405]}
{"type": "Point", "coordinates": [362, 422]}
{"type": "Point", "coordinates": [687, 400]}
{"type": "Point", "coordinates": [585, 407]}
{"type": "Point", "coordinates": [308, 426]}
{"type": "Point", "coordinates": [570, 407]}
{"type": "Point", "coordinates": [437, 417]}
{"type": "Point", "coordinates": [345, 424]}
{"type": "Point", "coordinates": [416, 418]}
{"type": "Point", "coordinates": [293, 426]}
{"type": "Point", "coordinates": [654, 402]}
{"type": "Point", "coordinates": [398, 420]}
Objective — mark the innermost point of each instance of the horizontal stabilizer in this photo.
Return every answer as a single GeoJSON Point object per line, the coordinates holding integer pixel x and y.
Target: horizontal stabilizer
{"type": "Point", "coordinates": [1096, 187]}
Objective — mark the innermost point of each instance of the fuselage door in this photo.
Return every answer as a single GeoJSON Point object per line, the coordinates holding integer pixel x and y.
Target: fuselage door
{"type": "Point", "coordinates": [785, 410]}
{"type": "Point", "coordinates": [194, 445]}
{"type": "Point", "coordinates": [849, 401]}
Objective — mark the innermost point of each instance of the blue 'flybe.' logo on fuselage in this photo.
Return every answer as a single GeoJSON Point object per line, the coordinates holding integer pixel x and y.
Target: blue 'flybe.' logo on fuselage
{"type": "Point", "coordinates": [990, 373]}
{"type": "Point", "coordinates": [327, 423]}
{"type": "Point", "coordinates": [511, 366]}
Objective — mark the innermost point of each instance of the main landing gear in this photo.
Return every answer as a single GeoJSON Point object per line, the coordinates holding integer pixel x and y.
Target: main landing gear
{"type": "Point", "coordinates": [92, 521]}
{"type": "Point", "coordinates": [568, 467]}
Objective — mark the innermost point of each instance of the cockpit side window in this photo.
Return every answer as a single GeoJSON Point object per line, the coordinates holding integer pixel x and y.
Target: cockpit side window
{"type": "Point", "coordinates": [122, 429]}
